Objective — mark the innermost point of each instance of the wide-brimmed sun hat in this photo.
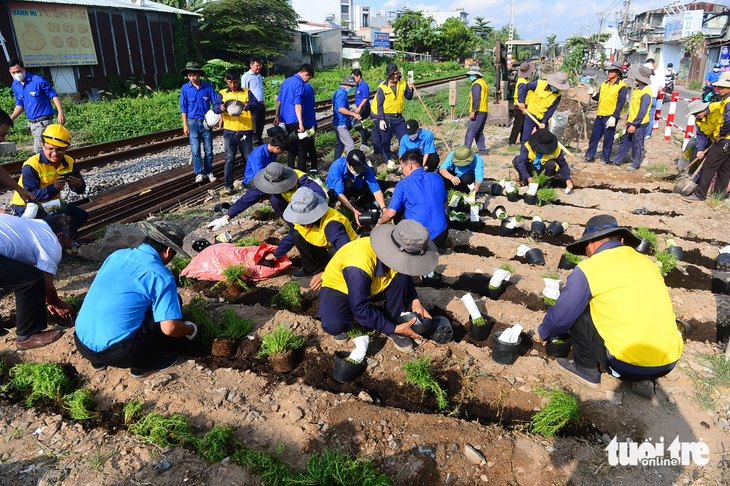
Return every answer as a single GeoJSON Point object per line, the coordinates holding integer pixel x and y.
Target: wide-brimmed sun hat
{"type": "Point", "coordinates": [599, 227]}
{"type": "Point", "coordinates": [558, 80]}
{"type": "Point", "coordinates": [696, 106]}
{"type": "Point", "coordinates": [166, 233]}
{"type": "Point", "coordinates": [234, 107]}
{"type": "Point", "coordinates": [306, 207]}
{"type": "Point", "coordinates": [405, 247]}
{"type": "Point", "coordinates": [475, 71]}
{"type": "Point", "coordinates": [192, 67]}
{"type": "Point", "coordinates": [525, 69]}
{"type": "Point", "coordinates": [615, 67]}
{"type": "Point", "coordinates": [463, 155]}
{"type": "Point", "coordinates": [349, 80]}
{"type": "Point", "coordinates": [724, 81]}
{"type": "Point", "coordinates": [275, 179]}
{"type": "Point", "coordinates": [543, 141]}
{"type": "Point", "coordinates": [642, 73]}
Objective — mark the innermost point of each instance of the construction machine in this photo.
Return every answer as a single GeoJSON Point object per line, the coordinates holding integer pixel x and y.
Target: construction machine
{"type": "Point", "coordinates": [505, 80]}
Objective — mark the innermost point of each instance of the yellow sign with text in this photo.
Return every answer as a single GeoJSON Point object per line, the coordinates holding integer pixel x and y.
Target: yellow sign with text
{"type": "Point", "coordinates": [53, 35]}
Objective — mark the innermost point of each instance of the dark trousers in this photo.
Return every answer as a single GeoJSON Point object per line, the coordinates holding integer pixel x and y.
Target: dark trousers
{"type": "Point", "coordinates": [258, 123]}
{"type": "Point", "coordinates": [717, 161]}
{"type": "Point", "coordinates": [313, 257]}
{"type": "Point", "coordinates": [550, 168]}
{"type": "Point", "coordinates": [232, 143]}
{"type": "Point", "coordinates": [80, 216]}
{"type": "Point", "coordinates": [377, 138]}
{"type": "Point", "coordinates": [635, 143]}
{"type": "Point", "coordinates": [466, 179]}
{"type": "Point", "coordinates": [336, 314]}
{"type": "Point", "coordinates": [364, 136]}
{"type": "Point", "coordinates": [140, 350]}
{"type": "Point", "coordinates": [475, 131]}
{"type": "Point", "coordinates": [301, 149]}
{"type": "Point", "coordinates": [517, 126]}
{"type": "Point", "coordinates": [28, 285]}
{"type": "Point", "coordinates": [395, 127]}
{"type": "Point", "coordinates": [600, 130]}
{"type": "Point", "coordinates": [589, 350]}
{"type": "Point", "coordinates": [527, 128]}
{"type": "Point", "coordinates": [363, 193]}
{"type": "Point", "coordinates": [441, 239]}
{"type": "Point", "coordinates": [432, 162]}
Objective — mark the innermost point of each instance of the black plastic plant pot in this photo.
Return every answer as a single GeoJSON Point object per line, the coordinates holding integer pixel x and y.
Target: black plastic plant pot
{"type": "Point", "coordinates": [644, 246]}
{"type": "Point", "coordinates": [495, 190]}
{"type": "Point", "coordinates": [346, 372]}
{"type": "Point", "coordinates": [722, 262]}
{"type": "Point", "coordinates": [513, 196]}
{"type": "Point", "coordinates": [493, 294]}
{"type": "Point", "coordinates": [719, 286]}
{"type": "Point", "coordinates": [433, 282]}
{"type": "Point", "coordinates": [456, 225]}
{"type": "Point", "coordinates": [423, 328]}
{"type": "Point", "coordinates": [558, 349]}
{"type": "Point", "coordinates": [441, 330]}
{"type": "Point", "coordinates": [537, 230]}
{"type": "Point", "coordinates": [496, 210]}
{"type": "Point", "coordinates": [676, 251]}
{"type": "Point", "coordinates": [504, 353]}
{"type": "Point", "coordinates": [566, 264]}
{"type": "Point", "coordinates": [555, 229]}
{"type": "Point", "coordinates": [530, 199]}
{"type": "Point", "coordinates": [505, 231]}
{"type": "Point", "coordinates": [481, 333]}
{"type": "Point", "coordinates": [535, 257]}
{"type": "Point", "coordinates": [369, 218]}
{"type": "Point", "coordinates": [224, 206]}
{"type": "Point", "coordinates": [474, 226]}
{"type": "Point", "coordinates": [547, 306]}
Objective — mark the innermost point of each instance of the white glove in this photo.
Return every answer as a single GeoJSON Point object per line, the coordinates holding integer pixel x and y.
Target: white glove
{"type": "Point", "coordinates": [195, 330]}
{"type": "Point", "coordinates": [591, 91]}
{"type": "Point", "coordinates": [611, 122]}
{"type": "Point", "coordinates": [383, 125]}
{"type": "Point", "coordinates": [219, 223]}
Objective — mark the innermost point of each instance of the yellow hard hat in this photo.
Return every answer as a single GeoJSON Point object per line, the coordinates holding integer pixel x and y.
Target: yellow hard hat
{"type": "Point", "coordinates": [57, 135]}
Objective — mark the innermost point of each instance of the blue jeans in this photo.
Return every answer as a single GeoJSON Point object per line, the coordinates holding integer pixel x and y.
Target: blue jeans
{"type": "Point", "coordinates": [196, 132]}
{"type": "Point", "coordinates": [233, 142]}
{"type": "Point", "coordinates": [650, 128]}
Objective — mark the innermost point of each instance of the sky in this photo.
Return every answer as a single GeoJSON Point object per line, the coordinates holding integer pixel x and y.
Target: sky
{"type": "Point", "coordinates": [563, 18]}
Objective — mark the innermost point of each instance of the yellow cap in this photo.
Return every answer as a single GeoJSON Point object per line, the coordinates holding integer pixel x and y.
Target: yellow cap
{"type": "Point", "coordinates": [57, 135]}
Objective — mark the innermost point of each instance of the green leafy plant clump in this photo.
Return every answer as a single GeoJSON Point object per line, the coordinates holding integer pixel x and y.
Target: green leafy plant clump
{"type": "Point", "coordinates": [561, 410]}
{"type": "Point", "coordinates": [195, 312]}
{"type": "Point", "coordinates": [540, 178]}
{"type": "Point", "coordinates": [215, 446]}
{"type": "Point", "coordinates": [418, 373]}
{"type": "Point", "coordinates": [546, 195]}
{"type": "Point", "coordinates": [179, 263]}
{"type": "Point", "coordinates": [382, 176]}
{"type": "Point", "coordinates": [508, 267]}
{"type": "Point", "coordinates": [666, 261]}
{"type": "Point", "coordinates": [551, 274]}
{"type": "Point", "coordinates": [79, 404]}
{"type": "Point", "coordinates": [332, 467]}
{"type": "Point", "coordinates": [279, 341]}
{"type": "Point", "coordinates": [233, 326]}
{"type": "Point", "coordinates": [131, 410]}
{"type": "Point", "coordinates": [46, 380]}
{"type": "Point", "coordinates": [519, 218]}
{"type": "Point", "coordinates": [75, 302]}
{"type": "Point", "coordinates": [548, 300]}
{"type": "Point", "coordinates": [235, 274]}
{"type": "Point", "coordinates": [248, 241]}
{"type": "Point", "coordinates": [644, 232]}
{"type": "Point", "coordinates": [272, 470]}
{"type": "Point", "coordinates": [357, 331]}
{"type": "Point", "coordinates": [480, 321]}
{"type": "Point", "coordinates": [572, 258]}
{"type": "Point", "coordinates": [290, 295]}
{"type": "Point", "coordinates": [164, 431]}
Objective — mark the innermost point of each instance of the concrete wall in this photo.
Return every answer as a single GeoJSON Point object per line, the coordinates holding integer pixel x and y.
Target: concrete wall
{"type": "Point", "coordinates": [330, 52]}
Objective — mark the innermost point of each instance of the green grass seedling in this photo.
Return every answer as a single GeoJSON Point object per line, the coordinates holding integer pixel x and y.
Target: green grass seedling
{"type": "Point", "coordinates": [279, 341]}
{"type": "Point", "coordinates": [540, 179]}
{"type": "Point", "coordinates": [79, 404]}
{"type": "Point", "coordinates": [572, 258]}
{"type": "Point", "coordinates": [667, 262]}
{"type": "Point", "coordinates": [248, 241]}
{"type": "Point", "coordinates": [643, 232]}
{"type": "Point", "coordinates": [233, 326]}
{"type": "Point", "coordinates": [75, 302]}
{"type": "Point", "coordinates": [546, 195]}
{"type": "Point", "coordinates": [548, 300]}
{"type": "Point", "coordinates": [235, 274]}
{"type": "Point", "coordinates": [195, 312]}
{"type": "Point", "coordinates": [164, 431]}
{"type": "Point", "coordinates": [552, 275]}
{"type": "Point", "coordinates": [508, 267]}
{"type": "Point", "coordinates": [46, 380]}
{"type": "Point", "coordinates": [179, 263]}
{"type": "Point", "coordinates": [99, 459]}
{"type": "Point", "coordinates": [215, 446]}
{"type": "Point", "coordinates": [332, 467]}
{"type": "Point", "coordinates": [561, 410]}
{"type": "Point", "coordinates": [418, 373]}
{"type": "Point", "coordinates": [479, 322]}
{"type": "Point", "coordinates": [270, 468]}
{"type": "Point", "coordinates": [382, 176]}
{"type": "Point", "coordinates": [289, 296]}
{"type": "Point", "coordinates": [131, 410]}
{"type": "Point", "coordinates": [357, 331]}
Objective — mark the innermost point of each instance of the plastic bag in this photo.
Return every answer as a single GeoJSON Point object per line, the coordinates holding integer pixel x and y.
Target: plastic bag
{"type": "Point", "coordinates": [558, 123]}
{"type": "Point", "coordinates": [209, 263]}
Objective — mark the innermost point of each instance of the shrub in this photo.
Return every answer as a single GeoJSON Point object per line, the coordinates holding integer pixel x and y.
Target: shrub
{"type": "Point", "coordinates": [279, 341]}
{"type": "Point", "coordinates": [46, 380]}
{"type": "Point", "coordinates": [79, 404]}
{"type": "Point", "coordinates": [233, 326]}
{"type": "Point", "coordinates": [418, 373]}
{"type": "Point", "coordinates": [559, 411]}
{"type": "Point", "coordinates": [290, 295]}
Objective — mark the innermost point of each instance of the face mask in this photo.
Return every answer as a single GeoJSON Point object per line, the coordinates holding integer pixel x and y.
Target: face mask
{"type": "Point", "coordinates": [352, 172]}
{"type": "Point", "coordinates": [413, 137]}
{"type": "Point", "coordinates": [350, 90]}
{"type": "Point", "coordinates": [473, 78]}
{"type": "Point", "coordinates": [21, 76]}
{"type": "Point", "coordinates": [717, 70]}
{"type": "Point", "coordinates": [554, 89]}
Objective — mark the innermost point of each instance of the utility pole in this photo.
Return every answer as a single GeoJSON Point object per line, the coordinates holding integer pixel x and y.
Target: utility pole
{"type": "Point", "coordinates": [600, 25]}
{"type": "Point", "coordinates": [511, 34]}
{"type": "Point", "coordinates": [626, 19]}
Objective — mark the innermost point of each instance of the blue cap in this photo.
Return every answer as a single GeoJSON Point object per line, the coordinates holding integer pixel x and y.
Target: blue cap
{"type": "Point", "coordinates": [717, 64]}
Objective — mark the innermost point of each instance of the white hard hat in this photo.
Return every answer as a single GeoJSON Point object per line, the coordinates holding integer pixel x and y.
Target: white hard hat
{"type": "Point", "coordinates": [234, 107]}
{"type": "Point", "coordinates": [211, 120]}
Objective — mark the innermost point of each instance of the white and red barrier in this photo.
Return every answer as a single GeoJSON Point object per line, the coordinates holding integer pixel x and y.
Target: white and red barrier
{"type": "Point", "coordinates": [658, 112]}
{"type": "Point", "coordinates": [670, 116]}
{"type": "Point", "coordinates": [690, 125]}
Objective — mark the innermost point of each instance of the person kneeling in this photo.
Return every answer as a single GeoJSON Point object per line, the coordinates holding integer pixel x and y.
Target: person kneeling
{"type": "Point", "coordinates": [542, 153]}
{"type": "Point", "coordinates": [132, 308]}
{"type": "Point", "coordinates": [462, 168]}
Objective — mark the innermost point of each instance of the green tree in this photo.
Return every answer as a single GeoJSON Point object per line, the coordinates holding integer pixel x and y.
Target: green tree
{"type": "Point", "coordinates": [247, 28]}
{"type": "Point", "coordinates": [575, 49]}
{"type": "Point", "coordinates": [551, 47]}
{"type": "Point", "coordinates": [414, 33]}
{"type": "Point", "coordinates": [693, 43]}
{"type": "Point", "coordinates": [483, 26]}
{"type": "Point", "coordinates": [456, 40]}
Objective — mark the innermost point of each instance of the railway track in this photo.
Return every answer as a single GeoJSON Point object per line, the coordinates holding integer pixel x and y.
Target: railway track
{"type": "Point", "coordinates": [138, 200]}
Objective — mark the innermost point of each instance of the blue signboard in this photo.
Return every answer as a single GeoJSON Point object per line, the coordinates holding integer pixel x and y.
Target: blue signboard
{"type": "Point", "coordinates": [725, 57]}
{"type": "Point", "coordinates": [381, 40]}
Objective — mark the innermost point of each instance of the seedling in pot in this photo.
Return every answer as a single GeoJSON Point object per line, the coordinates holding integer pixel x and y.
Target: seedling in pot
{"type": "Point", "coordinates": [233, 327]}
{"type": "Point", "coordinates": [559, 412]}
{"type": "Point", "coordinates": [540, 178]}
{"type": "Point", "coordinates": [644, 232]}
{"type": "Point", "coordinates": [519, 218]}
{"type": "Point", "coordinates": [479, 321]}
{"type": "Point", "coordinates": [572, 258]}
{"type": "Point", "coordinates": [79, 404]}
{"type": "Point", "coordinates": [290, 296]}
{"type": "Point", "coordinates": [666, 262]}
{"type": "Point", "coordinates": [454, 216]}
{"type": "Point", "coordinates": [418, 373]}
{"type": "Point", "coordinates": [279, 341]}
{"type": "Point", "coordinates": [131, 410]}
{"type": "Point", "coordinates": [248, 241]}
{"type": "Point", "coordinates": [234, 279]}
{"type": "Point", "coordinates": [548, 300]}
{"type": "Point", "coordinates": [508, 267]}
{"type": "Point", "coordinates": [546, 195]}
{"type": "Point", "coordinates": [381, 176]}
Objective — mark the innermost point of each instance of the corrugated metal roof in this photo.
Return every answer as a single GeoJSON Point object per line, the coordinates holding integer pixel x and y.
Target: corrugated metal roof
{"type": "Point", "coordinates": [147, 7]}
{"type": "Point", "coordinates": [313, 28]}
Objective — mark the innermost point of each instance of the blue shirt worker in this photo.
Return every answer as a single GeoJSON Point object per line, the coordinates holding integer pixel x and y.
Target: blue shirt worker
{"type": "Point", "coordinates": [362, 104]}
{"type": "Point", "coordinates": [319, 231]}
{"type": "Point", "coordinates": [386, 262]}
{"type": "Point", "coordinates": [296, 114]}
{"type": "Point", "coordinates": [478, 110]}
{"type": "Point", "coordinates": [30, 251]}
{"type": "Point", "coordinates": [278, 184]}
{"type": "Point", "coordinates": [714, 75]}
{"type": "Point", "coordinates": [341, 116]}
{"type": "Point", "coordinates": [388, 107]}
{"type": "Point", "coordinates": [253, 81]}
{"type": "Point", "coordinates": [542, 154]}
{"type": "Point", "coordinates": [420, 196]}
{"type": "Point", "coordinates": [45, 175]}
{"type": "Point", "coordinates": [33, 94]}
{"type": "Point", "coordinates": [462, 168]}
{"type": "Point", "coordinates": [616, 308]}
{"type": "Point", "coordinates": [263, 156]}
{"type": "Point", "coordinates": [423, 140]}
{"type": "Point", "coordinates": [236, 106]}
{"type": "Point", "coordinates": [638, 121]}
{"type": "Point", "coordinates": [544, 96]}
{"type": "Point", "coordinates": [196, 98]}
{"type": "Point", "coordinates": [611, 98]}
{"type": "Point", "coordinates": [717, 156]}
{"type": "Point", "coordinates": [350, 177]}
{"type": "Point", "coordinates": [132, 308]}
{"type": "Point", "coordinates": [310, 122]}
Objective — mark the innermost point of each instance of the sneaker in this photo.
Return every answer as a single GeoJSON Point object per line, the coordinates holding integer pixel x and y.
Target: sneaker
{"type": "Point", "coordinates": [164, 362]}
{"type": "Point", "coordinates": [199, 178]}
{"type": "Point", "coordinates": [693, 198]}
{"type": "Point", "coordinates": [229, 191]}
{"type": "Point", "coordinates": [631, 168]}
{"type": "Point", "coordinates": [99, 367]}
{"type": "Point", "coordinates": [212, 178]}
{"type": "Point", "coordinates": [304, 273]}
{"type": "Point", "coordinates": [403, 343]}
{"type": "Point", "coordinates": [603, 162]}
{"type": "Point", "coordinates": [588, 161]}
{"type": "Point", "coordinates": [342, 337]}
{"type": "Point", "coordinates": [590, 379]}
